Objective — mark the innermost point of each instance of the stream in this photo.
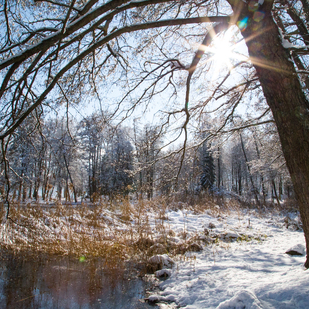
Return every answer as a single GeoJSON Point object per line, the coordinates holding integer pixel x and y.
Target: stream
{"type": "Point", "coordinates": [63, 282]}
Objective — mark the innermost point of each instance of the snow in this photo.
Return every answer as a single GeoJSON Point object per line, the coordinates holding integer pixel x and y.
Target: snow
{"type": "Point", "coordinates": [287, 44]}
{"type": "Point", "coordinates": [243, 299]}
{"type": "Point", "coordinates": [163, 273]}
{"type": "Point", "coordinates": [163, 259]}
{"type": "Point", "coordinates": [298, 249]}
{"type": "Point", "coordinates": [252, 272]}
{"type": "Point", "coordinates": [243, 262]}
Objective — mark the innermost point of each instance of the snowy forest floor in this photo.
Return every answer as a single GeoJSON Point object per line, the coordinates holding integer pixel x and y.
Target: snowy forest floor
{"type": "Point", "coordinates": [223, 256]}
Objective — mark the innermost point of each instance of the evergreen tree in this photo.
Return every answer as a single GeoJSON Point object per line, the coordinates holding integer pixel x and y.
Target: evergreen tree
{"type": "Point", "coordinates": [208, 176]}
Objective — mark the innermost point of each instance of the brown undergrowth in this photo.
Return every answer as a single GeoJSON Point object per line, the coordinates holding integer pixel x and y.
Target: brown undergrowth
{"type": "Point", "coordinates": [117, 230]}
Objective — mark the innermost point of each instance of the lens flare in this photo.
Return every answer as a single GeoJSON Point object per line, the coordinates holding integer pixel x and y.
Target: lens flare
{"type": "Point", "coordinates": [242, 24]}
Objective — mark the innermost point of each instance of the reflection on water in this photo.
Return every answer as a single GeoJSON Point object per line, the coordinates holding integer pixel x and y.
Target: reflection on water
{"type": "Point", "coordinates": [65, 283]}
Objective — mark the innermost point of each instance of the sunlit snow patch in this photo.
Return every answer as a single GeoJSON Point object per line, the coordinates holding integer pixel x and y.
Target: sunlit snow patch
{"type": "Point", "coordinates": [242, 300]}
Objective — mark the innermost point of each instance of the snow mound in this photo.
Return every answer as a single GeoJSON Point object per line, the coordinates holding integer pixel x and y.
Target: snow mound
{"type": "Point", "coordinates": [230, 235]}
{"type": "Point", "coordinates": [158, 298]}
{"type": "Point", "coordinates": [297, 250]}
{"type": "Point", "coordinates": [163, 259]}
{"type": "Point", "coordinates": [163, 273]}
{"type": "Point", "coordinates": [242, 300]}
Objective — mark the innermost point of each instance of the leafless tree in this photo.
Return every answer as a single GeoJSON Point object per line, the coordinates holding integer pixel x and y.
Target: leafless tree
{"type": "Point", "coordinates": [59, 52]}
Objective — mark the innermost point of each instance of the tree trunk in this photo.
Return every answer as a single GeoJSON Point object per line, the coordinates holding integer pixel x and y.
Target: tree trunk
{"type": "Point", "coordinates": [253, 188]}
{"type": "Point", "coordinates": [71, 179]}
{"type": "Point", "coordinates": [284, 96]}
{"type": "Point", "coordinates": [219, 169]}
{"type": "Point", "coordinates": [261, 177]}
{"type": "Point", "coordinates": [275, 192]}
{"type": "Point", "coordinates": [239, 176]}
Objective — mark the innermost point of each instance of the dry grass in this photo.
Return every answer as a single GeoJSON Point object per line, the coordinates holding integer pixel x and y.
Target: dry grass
{"type": "Point", "coordinates": [66, 230]}
{"type": "Point", "coordinates": [115, 230]}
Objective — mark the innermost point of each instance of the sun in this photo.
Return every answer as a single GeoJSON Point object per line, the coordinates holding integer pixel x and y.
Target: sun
{"type": "Point", "coordinates": [222, 50]}
{"type": "Point", "coordinates": [225, 49]}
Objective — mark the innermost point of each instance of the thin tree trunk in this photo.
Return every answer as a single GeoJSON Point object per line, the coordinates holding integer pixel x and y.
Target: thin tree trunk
{"type": "Point", "coordinates": [219, 169]}
{"type": "Point", "coordinates": [249, 171]}
{"type": "Point", "coordinates": [30, 190]}
{"type": "Point", "coordinates": [239, 176]}
{"type": "Point", "coordinates": [261, 177]}
{"type": "Point", "coordinates": [71, 179]}
{"type": "Point", "coordinates": [284, 96]}
{"type": "Point", "coordinates": [24, 191]}
{"type": "Point", "coordinates": [280, 188]}
{"type": "Point", "coordinates": [275, 192]}
{"type": "Point", "coordinates": [20, 190]}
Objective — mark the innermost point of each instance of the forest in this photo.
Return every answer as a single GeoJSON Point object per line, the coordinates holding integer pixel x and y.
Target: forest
{"type": "Point", "coordinates": [90, 159]}
{"type": "Point", "coordinates": [130, 128]}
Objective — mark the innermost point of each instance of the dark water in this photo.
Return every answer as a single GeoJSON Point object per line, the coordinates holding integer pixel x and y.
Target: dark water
{"type": "Point", "coordinates": [47, 282]}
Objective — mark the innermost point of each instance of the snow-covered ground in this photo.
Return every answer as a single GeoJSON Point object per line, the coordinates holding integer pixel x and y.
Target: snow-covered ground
{"type": "Point", "coordinates": [222, 258]}
{"type": "Point", "coordinates": [251, 272]}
